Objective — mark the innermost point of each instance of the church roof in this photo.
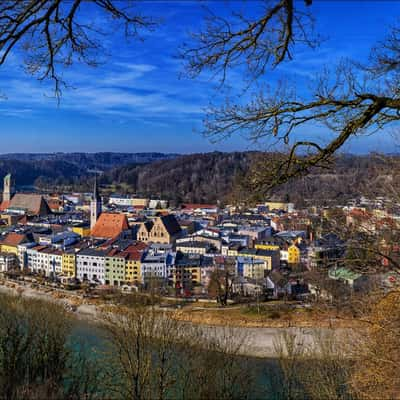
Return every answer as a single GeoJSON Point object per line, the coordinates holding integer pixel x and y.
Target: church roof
{"type": "Point", "coordinates": [171, 224]}
{"type": "Point", "coordinates": [148, 225]}
{"type": "Point", "coordinates": [110, 225]}
{"type": "Point", "coordinates": [33, 204]}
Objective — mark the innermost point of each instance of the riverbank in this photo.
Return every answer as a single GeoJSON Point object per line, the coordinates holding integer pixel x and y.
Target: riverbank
{"type": "Point", "coordinates": [257, 342]}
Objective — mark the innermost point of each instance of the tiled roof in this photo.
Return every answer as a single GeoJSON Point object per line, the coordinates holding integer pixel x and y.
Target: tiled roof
{"type": "Point", "coordinates": [148, 225]}
{"type": "Point", "coordinates": [132, 255]}
{"type": "Point", "coordinates": [138, 246]}
{"type": "Point", "coordinates": [33, 204]}
{"type": "Point", "coordinates": [110, 225]}
{"type": "Point", "coordinates": [14, 239]}
{"type": "Point", "coordinates": [4, 205]}
{"type": "Point", "coordinates": [92, 252]}
{"type": "Point", "coordinates": [171, 224]}
{"type": "Point", "coordinates": [191, 244]}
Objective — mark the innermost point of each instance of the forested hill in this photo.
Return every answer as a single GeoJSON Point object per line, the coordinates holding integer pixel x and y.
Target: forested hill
{"type": "Point", "coordinates": [211, 177]}
{"type": "Point", "coordinates": [207, 177]}
{"type": "Point", "coordinates": [84, 161]}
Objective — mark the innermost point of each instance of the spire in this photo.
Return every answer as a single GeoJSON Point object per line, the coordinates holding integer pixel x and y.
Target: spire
{"type": "Point", "coordinates": [95, 188]}
{"type": "Point", "coordinates": [95, 204]}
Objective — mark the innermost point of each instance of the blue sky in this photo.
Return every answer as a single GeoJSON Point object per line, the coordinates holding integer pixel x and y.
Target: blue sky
{"type": "Point", "coordinates": [138, 100]}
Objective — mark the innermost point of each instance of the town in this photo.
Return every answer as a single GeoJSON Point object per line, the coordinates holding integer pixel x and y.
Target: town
{"type": "Point", "coordinates": [196, 251]}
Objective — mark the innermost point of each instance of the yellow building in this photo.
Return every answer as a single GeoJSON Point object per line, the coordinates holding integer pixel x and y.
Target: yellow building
{"type": "Point", "coordinates": [82, 230]}
{"type": "Point", "coordinates": [10, 243]}
{"type": "Point", "coordinates": [133, 268]}
{"type": "Point", "coordinates": [140, 202]}
{"type": "Point", "coordinates": [163, 230]}
{"type": "Point", "coordinates": [266, 247]}
{"type": "Point", "coordinates": [186, 275]}
{"type": "Point", "coordinates": [293, 254]}
{"type": "Point", "coordinates": [196, 275]}
{"type": "Point", "coordinates": [270, 257]}
{"type": "Point", "coordinates": [10, 219]}
{"type": "Point", "coordinates": [233, 252]}
{"type": "Point", "coordinates": [279, 205]}
{"type": "Point", "coordinates": [68, 264]}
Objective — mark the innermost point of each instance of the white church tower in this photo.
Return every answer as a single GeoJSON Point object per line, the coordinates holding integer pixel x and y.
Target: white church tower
{"type": "Point", "coordinates": [7, 188]}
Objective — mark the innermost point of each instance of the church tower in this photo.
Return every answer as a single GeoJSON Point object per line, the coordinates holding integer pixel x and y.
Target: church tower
{"type": "Point", "coordinates": [7, 188]}
{"type": "Point", "coordinates": [95, 205]}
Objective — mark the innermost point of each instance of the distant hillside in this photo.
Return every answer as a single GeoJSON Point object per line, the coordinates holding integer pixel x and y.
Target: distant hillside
{"type": "Point", "coordinates": [25, 173]}
{"type": "Point", "coordinates": [215, 176]}
{"type": "Point", "coordinates": [205, 177]}
{"type": "Point", "coordinates": [103, 161]}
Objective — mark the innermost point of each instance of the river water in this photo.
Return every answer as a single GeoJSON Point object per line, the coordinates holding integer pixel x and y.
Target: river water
{"type": "Point", "coordinates": [264, 371]}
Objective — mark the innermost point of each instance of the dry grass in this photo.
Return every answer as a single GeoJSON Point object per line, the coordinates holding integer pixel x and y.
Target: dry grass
{"type": "Point", "coordinates": [277, 317]}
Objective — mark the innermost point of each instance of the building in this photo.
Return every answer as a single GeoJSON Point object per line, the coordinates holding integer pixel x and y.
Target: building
{"type": "Point", "coordinates": [44, 260]}
{"type": "Point", "coordinates": [95, 205]}
{"type": "Point", "coordinates": [110, 226]}
{"type": "Point", "coordinates": [157, 265]}
{"type": "Point", "coordinates": [270, 257]}
{"type": "Point", "coordinates": [30, 204]}
{"type": "Point", "coordinates": [10, 243]}
{"type": "Point", "coordinates": [192, 208]}
{"type": "Point", "coordinates": [128, 201]}
{"type": "Point", "coordinates": [165, 229]}
{"type": "Point", "coordinates": [22, 203]}
{"type": "Point", "coordinates": [115, 267]}
{"type": "Point", "coordinates": [133, 267]}
{"type": "Point", "coordinates": [8, 262]}
{"type": "Point", "coordinates": [22, 254]}
{"type": "Point", "coordinates": [68, 266]}
{"type": "Point", "coordinates": [294, 254]}
{"type": "Point", "coordinates": [262, 246]}
{"type": "Point", "coordinates": [194, 247]}
{"type": "Point", "coordinates": [81, 229]}
{"type": "Point", "coordinates": [90, 265]}
{"type": "Point", "coordinates": [249, 267]}
{"type": "Point", "coordinates": [279, 205]}
{"type": "Point", "coordinates": [186, 272]}
{"type": "Point", "coordinates": [53, 261]}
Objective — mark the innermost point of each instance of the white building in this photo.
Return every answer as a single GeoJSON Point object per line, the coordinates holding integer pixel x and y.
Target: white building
{"type": "Point", "coordinates": [22, 254]}
{"type": "Point", "coordinates": [8, 261]}
{"type": "Point", "coordinates": [44, 260]}
{"type": "Point", "coordinates": [157, 266]}
{"type": "Point", "coordinates": [90, 265]}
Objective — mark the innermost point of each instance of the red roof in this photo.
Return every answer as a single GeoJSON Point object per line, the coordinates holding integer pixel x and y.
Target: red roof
{"type": "Point", "coordinates": [110, 225]}
{"type": "Point", "coordinates": [4, 205]}
{"type": "Point", "coordinates": [13, 239]}
{"type": "Point", "coordinates": [356, 212]}
{"type": "Point", "coordinates": [133, 255]}
{"type": "Point", "coordinates": [138, 246]}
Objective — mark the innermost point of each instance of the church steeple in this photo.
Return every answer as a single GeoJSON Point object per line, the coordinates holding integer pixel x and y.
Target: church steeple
{"type": "Point", "coordinates": [95, 204]}
{"type": "Point", "coordinates": [7, 188]}
{"type": "Point", "coordinates": [96, 195]}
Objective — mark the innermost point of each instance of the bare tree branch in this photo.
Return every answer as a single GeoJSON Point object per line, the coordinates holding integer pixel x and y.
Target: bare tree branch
{"type": "Point", "coordinates": [257, 43]}
{"type": "Point", "coordinates": [52, 34]}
